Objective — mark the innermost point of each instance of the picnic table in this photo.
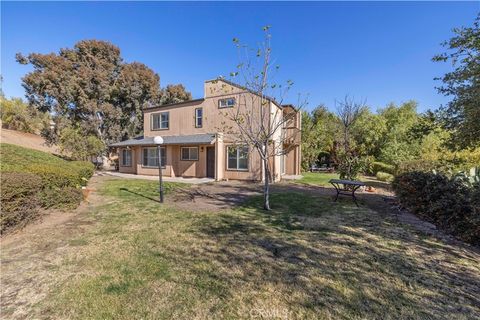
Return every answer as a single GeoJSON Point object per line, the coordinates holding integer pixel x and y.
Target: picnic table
{"type": "Point", "coordinates": [346, 187]}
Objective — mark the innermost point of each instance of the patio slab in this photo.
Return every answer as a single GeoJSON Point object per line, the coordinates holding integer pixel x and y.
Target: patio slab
{"type": "Point", "coordinates": [155, 178]}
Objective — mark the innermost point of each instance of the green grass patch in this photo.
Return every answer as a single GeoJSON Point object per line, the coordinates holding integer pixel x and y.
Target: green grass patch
{"type": "Point", "coordinates": [307, 258]}
{"type": "Point", "coordinates": [317, 178]}
{"type": "Point", "coordinates": [321, 179]}
{"type": "Point", "coordinates": [133, 189]}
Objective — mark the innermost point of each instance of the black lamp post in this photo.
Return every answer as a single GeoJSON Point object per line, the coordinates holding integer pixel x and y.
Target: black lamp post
{"type": "Point", "coordinates": [159, 141]}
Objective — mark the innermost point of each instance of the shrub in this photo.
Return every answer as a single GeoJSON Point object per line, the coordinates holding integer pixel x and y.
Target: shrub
{"type": "Point", "coordinates": [19, 199]}
{"type": "Point", "coordinates": [424, 166]}
{"type": "Point", "coordinates": [350, 166]}
{"type": "Point", "coordinates": [65, 198]}
{"type": "Point", "coordinates": [368, 167]}
{"type": "Point", "coordinates": [85, 168]}
{"type": "Point", "coordinates": [56, 177]}
{"type": "Point", "coordinates": [383, 167]}
{"type": "Point", "coordinates": [448, 203]}
{"type": "Point", "coordinates": [383, 176]}
{"type": "Point", "coordinates": [56, 183]}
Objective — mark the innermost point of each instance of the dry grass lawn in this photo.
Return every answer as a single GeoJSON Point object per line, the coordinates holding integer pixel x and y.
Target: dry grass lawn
{"type": "Point", "coordinates": [308, 258]}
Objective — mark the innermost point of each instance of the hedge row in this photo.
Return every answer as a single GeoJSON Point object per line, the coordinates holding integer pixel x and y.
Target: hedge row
{"type": "Point", "coordinates": [449, 204]}
{"type": "Point", "coordinates": [32, 179]}
{"type": "Point", "coordinates": [382, 167]}
{"type": "Point", "coordinates": [383, 176]}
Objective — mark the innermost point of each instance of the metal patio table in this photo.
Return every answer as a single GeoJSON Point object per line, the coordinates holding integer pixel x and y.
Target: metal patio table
{"type": "Point", "coordinates": [346, 187]}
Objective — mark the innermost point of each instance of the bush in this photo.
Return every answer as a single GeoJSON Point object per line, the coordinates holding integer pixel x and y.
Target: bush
{"type": "Point", "coordinates": [383, 167]}
{"type": "Point", "coordinates": [424, 166]}
{"type": "Point", "coordinates": [66, 198]}
{"type": "Point", "coordinates": [449, 204]}
{"type": "Point", "coordinates": [19, 199]}
{"type": "Point", "coordinates": [350, 166]}
{"type": "Point", "coordinates": [383, 176]}
{"type": "Point", "coordinates": [56, 183]}
{"type": "Point", "coordinates": [85, 168]}
{"type": "Point", "coordinates": [56, 177]}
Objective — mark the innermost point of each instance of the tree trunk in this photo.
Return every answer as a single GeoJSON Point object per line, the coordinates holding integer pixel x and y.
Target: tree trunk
{"type": "Point", "coordinates": [266, 185]}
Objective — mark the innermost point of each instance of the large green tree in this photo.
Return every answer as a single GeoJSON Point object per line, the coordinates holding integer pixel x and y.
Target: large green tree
{"type": "Point", "coordinates": [17, 115]}
{"type": "Point", "coordinates": [462, 113]}
{"type": "Point", "coordinates": [319, 130]}
{"type": "Point", "coordinates": [91, 88]}
{"type": "Point", "coordinates": [397, 145]}
{"type": "Point", "coordinates": [174, 93]}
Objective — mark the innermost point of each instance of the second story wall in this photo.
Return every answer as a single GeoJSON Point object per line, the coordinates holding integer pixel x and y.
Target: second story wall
{"type": "Point", "coordinates": [182, 117]}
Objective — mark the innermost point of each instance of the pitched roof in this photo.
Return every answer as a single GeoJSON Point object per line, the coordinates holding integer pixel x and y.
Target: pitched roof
{"type": "Point", "coordinates": [201, 99]}
{"type": "Point", "coordinates": [207, 138]}
{"type": "Point", "coordinates": [175, 103]}
{"type": "Point", "coordinates": [245, 89]}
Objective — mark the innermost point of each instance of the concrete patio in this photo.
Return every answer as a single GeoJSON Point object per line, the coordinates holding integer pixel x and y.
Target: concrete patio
{"type": "Point", "coordinates": [167, 179]}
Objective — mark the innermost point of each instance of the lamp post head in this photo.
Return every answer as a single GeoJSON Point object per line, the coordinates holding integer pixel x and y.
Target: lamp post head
{"type": "Point", "coordinates": [158, 140]}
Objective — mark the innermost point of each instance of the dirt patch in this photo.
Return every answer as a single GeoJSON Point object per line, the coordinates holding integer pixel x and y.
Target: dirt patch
{"type": "Point", "coordinates": [31, 257]}
{"type": "Point", "coordinates": [27, 140]}
{"type": "Point", "coordinates": [214, 196]}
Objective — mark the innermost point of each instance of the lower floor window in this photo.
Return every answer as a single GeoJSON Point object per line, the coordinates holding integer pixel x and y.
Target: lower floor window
{"type": "Point", "coordinates": [237, 158]}
{"type": "Point", "coordinates": [189, 153]}
{"type": "Point", "coordinates": [126, 157]}
{"type": "Point", "coordinates": [150, 157]}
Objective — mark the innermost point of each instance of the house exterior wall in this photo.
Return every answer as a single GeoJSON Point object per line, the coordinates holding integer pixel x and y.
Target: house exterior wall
{"type": "Point", "coordinates": [174, 166]}
{"type": "Point", "coordinates": [215, 120]}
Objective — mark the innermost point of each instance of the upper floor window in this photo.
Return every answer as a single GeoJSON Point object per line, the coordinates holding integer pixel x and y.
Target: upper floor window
{"type": "Point", "coordinates": [126, 158]}
{"type": "Point", "coordinates": [237, 158]}
{"type": "Point", "coordinates": [160, 121]}
{"type": "Point", "coordinates": [198, 117]}
{"type": "Point", "coordinates": [150, 157]}
{"type": "Point", "coordinates": [226, 103]}
{"type": "Point", "coordinates": [189, 153]}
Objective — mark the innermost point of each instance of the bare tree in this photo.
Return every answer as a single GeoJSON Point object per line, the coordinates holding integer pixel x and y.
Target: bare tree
{"type": "Point", "coordinates": [260, 119]}
{"type": "Point", "coordinates": [348, 112]}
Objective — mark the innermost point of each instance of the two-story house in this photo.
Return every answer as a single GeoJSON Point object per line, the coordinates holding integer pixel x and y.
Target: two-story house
{"type": "Point", "coordinates": [194, 144]}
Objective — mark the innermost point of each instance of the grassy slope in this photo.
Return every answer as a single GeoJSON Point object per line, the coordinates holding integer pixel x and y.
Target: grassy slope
{"type": "Point", "coordinates": [16, 158]}
{"type": "Point", "coordinates": [307, 258]}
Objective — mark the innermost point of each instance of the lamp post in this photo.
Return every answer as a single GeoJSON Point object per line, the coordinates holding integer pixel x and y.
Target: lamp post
{"type": "Point", "coordinates": [159, 141]}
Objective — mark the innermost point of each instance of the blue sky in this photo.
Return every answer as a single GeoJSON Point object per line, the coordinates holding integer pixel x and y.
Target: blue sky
{"type": "Point", "coordinates": [378, 51]}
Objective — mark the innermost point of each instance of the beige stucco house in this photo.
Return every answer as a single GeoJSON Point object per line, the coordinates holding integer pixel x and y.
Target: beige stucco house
{"type": "Point", "coordinates": [196, 143]}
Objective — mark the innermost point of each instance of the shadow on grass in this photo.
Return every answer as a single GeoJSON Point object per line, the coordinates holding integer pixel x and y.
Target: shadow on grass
{"type": "Point", "coordinates": [354, 263]}
{"type": "Point", "coordinates": [140, 195]}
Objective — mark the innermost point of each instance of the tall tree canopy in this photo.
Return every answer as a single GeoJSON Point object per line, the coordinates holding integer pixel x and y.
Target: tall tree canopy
{"type": "Point", "coordinates": [91, 88]}
{"type": "Point", "coordinates": [462, 114]}
{"type": "Point", "coordinates": [174, 93]}
{"type": "Point", "coordinates": [17, 115]}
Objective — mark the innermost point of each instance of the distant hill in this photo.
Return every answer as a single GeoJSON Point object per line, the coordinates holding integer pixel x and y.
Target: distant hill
{"type": "Point", "coordinates": [27, 140]}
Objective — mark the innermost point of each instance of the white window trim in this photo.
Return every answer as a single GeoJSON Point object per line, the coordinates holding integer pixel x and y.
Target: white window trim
{"type": "Point", "coordinates": [164, 153]}
{"type": "Point", "coordinates": [123, 163]}
{"type": "Point", "coordinates": [226, 105]}
{"type": "Point", "coordinates": [189, 158]}
{"type": "Point", "coordinates": [238, 158]}
{"type": "Point", "coordinates": [197, 117]}
{"type": "Point", "coordinates": [160, 115]}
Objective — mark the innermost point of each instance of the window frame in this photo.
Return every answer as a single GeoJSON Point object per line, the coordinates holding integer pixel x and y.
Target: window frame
{"type": "Point", "coordinates": [152, 117]}
{"type": "Point", "coordinates": [197, 117]}
{"type": "Point", "coordinates": [226, 105]}
{"type": "Point", "coordinates": [122, 163]}
{"type": "Point", "coordinates": [164, 155]}
{"type": "Point", "coordinates": [238, 148]}
{"type": "Point", "coordinates": [189, 158]}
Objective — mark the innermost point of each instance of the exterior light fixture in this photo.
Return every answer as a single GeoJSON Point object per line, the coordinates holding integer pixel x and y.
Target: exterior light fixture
{"type": "Point", "coordinates": [158, 141]}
